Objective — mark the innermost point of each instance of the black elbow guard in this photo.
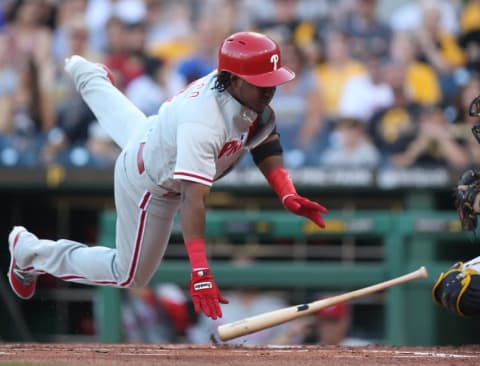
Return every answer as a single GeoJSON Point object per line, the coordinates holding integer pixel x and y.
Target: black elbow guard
{"type": "Point", "coordinates": [265, 150]}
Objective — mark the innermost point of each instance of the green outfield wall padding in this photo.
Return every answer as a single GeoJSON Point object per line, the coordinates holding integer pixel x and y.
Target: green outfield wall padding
{"type": "Point", "coordinates": [408, 239]}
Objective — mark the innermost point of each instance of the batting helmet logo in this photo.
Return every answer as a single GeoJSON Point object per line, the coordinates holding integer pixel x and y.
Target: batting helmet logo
{"type": "Point", "coordinates": [250, 56]}
{"type": "Point", "coordinates": [274, 60]}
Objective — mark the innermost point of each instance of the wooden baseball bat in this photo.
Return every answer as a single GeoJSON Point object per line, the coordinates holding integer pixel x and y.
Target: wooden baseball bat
{"type": "Point", "coordinates": [270, 319]}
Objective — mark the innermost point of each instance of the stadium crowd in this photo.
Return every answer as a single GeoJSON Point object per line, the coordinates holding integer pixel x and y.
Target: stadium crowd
{"type": "Point", "coordinates": [371, 91]}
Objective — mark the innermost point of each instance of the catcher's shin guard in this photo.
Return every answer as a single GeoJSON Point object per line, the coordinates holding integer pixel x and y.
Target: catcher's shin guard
{"type": "Point", "coordinates": [458, 290]}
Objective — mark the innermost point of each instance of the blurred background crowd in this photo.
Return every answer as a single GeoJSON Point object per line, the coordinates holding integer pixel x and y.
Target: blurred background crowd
{"type": "Point", "coordinates": [379, 83]}
{"type": "Point", "coordinates": [163, 314]}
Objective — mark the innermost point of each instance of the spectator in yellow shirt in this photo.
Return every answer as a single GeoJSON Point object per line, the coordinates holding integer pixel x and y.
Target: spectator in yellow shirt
{"type": "Point", "coordinates": [470, 16]}
{"type": "Point", "coordinates": [338, 67]}
{"type": "Point", "coordinates": [469, 38]}
{"type": "Point", "coordinates": [422, 81]}
{"type": "Point", "coordinates": [441, 50]}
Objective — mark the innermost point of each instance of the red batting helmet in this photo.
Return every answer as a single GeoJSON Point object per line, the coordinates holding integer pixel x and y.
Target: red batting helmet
{"type": "Point", "coordinates": [255, 58]}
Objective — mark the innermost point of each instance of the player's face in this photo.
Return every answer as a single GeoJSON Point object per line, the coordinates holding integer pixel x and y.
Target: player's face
{"type": "Point", "coordinates": [253, 97]}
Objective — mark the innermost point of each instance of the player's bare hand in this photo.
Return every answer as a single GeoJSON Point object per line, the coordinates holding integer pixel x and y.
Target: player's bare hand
{"type": "Point", "coordinates": [304, 207]}
{"type": "Point", "coordinates": [206, 297]}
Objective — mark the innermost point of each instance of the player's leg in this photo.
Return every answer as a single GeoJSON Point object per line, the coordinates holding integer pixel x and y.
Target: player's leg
{"type": "Point", "coordinates": [120, 118]}
{"type": "Point", "coordinates": [141, 240]}
{"type": "Point", "coordinates": [143, 230]}
{"type": "Point", "coordinates": [135, 264]}
{"type": "Point", "coordinates": [67, 259]}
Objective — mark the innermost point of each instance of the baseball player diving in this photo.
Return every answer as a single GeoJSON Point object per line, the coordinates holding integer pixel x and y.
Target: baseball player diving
{"type": "Point", "coordinates": [458, 289]}
{"type": "Point", "coordinates": [168, 163]}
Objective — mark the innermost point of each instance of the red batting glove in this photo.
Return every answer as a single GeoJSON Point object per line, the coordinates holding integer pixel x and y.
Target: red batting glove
{"type": "Point", "coordinates": [204, 291]}
{"type": "Point", "coordinates": [205, 294]}
{"type": "Point", "coordinates": [285, 189]}
{"type": "Point", "coordinates": [304, 207]}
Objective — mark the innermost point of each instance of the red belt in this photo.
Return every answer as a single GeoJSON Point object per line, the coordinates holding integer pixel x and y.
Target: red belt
{"type": "Point", "coordinates": [140, 165]}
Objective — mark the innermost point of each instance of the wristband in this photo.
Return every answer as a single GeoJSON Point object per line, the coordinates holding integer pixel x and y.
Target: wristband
{"type": "Point", "coordinates": [281, 183]}
{"type": "Point", "coordinates": [197, 253]}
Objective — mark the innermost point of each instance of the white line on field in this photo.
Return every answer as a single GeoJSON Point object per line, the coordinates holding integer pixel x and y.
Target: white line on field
{"type": "Point", "coordinates": [426, 354]}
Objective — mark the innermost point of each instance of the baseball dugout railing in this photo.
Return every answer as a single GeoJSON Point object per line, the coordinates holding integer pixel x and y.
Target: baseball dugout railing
{"type": "Point", "coordinates": [357, 249]}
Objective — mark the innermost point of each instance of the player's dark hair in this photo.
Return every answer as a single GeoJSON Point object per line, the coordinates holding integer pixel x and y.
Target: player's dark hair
{"type": "Point", "coordinates": [223, 81]}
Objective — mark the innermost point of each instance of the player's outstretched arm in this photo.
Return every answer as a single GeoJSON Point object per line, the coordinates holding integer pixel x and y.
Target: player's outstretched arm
{"type": "Point", "coordinates": [277, 176]}
{"type": "Point", "coordinates": [205, 294]}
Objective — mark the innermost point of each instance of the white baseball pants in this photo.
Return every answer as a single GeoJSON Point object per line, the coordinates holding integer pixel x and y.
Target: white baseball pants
{"type": "Point", "coordinates": [144, 219]}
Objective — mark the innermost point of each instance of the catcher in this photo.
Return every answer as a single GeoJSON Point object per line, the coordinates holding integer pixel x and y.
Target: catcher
{"type": "Point", "coordinates": [458, 289]}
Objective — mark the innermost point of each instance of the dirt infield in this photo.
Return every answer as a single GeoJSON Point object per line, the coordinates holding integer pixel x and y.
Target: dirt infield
{"type": "Point", "coordinates": [223, 355]}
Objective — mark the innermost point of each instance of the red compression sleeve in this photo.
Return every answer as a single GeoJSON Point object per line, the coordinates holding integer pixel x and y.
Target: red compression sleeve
{"type": "Point", "coordinates": [281, 183]}
{"type": "Point", "coordinates": [197, 253]}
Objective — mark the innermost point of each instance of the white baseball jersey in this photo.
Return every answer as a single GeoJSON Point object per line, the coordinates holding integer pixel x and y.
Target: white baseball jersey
{"type": "Point", "coordinates": [198, 136]}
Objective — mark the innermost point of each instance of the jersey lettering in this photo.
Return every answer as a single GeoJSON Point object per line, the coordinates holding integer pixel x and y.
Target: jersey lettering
{"type": "Point", "coordinates": [230, 148]}
{"type": "Point", "coordinates": [196, 90]}
{"type": "Point", "coordinates": [194, 93]}
{"type": "Point", "coordinates": [274, 60]}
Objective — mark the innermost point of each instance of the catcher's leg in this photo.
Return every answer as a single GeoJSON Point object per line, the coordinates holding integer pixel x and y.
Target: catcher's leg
{"type": "Point", "coordinates": [458, 289]}
{"type": "Point", "coordinates": [120, 118]}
